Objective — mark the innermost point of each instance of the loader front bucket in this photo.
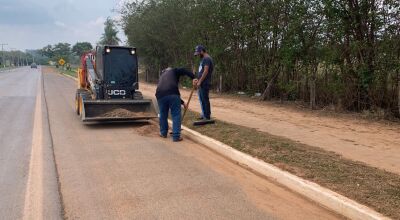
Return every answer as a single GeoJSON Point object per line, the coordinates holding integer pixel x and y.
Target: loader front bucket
{"type": "Point", "coordinates": [118, 110]}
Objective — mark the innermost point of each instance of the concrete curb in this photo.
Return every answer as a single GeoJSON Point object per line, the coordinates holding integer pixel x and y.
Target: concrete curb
{"type": "Point", "coordinates": [310, 190]}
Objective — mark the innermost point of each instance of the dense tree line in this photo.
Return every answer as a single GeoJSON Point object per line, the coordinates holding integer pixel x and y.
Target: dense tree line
{"type": "Point", "coordinates": [17, 58]}
{"type": "Point", "coordinates": [340, 52]}
{"type": "Point", "coordinates": [20, 58]}
{"type": "Point", "coordinates": [71, 54]}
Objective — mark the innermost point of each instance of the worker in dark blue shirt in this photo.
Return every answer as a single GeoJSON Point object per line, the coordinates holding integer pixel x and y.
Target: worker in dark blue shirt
{"type": "Point", "coordinates": [206, 70]}
{"type": "Point", "coordinates": [169, 98]}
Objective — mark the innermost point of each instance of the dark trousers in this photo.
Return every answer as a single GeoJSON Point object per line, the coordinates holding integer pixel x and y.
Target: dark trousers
{"type": "Point", "coordinates": [204, 98]}
{"type": "Point", "coordinates": [166, 103]}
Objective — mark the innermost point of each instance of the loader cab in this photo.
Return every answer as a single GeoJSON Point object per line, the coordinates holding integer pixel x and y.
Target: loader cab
{"type": "Point", "coordinates": [117, 67]}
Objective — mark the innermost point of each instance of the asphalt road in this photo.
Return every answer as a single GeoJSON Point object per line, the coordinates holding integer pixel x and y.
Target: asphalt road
{"type": "Point", "coordinates": [17, 99]}
{"type": "Point", "coordinates": [117, 171]}
{"type": "Point", "coordinates": [28, 181]}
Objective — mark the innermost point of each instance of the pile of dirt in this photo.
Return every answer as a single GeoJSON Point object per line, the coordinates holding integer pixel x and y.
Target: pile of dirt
{"type": "Point", "coordinates": [148, 130]}
{"type": "Point", "coordinates": [123, 113]}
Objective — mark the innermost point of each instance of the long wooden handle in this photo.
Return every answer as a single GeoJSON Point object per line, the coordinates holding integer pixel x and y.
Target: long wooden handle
{"type": "Point", "coordinates": [188, 102]}
{"type": "Point", "coordinates": [190, 97]}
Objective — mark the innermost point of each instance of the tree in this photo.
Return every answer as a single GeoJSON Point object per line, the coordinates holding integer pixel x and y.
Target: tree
{"type": "Point", "coordinates": [109, 36]}
{"type": "Point", "coordinates": [47, 51]}
{"type": "Point", "coordinates": [323, 52]}
{"type": "Point", "coordinates": [81, 47]}
{"type": "Point", "coordinates": [62, 51]}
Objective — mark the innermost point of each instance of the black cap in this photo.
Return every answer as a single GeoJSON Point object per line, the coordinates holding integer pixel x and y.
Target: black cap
{"type": "Point", "coordinates": [198, 49]}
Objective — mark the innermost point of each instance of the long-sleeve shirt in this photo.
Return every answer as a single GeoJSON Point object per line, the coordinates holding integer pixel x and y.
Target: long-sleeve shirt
{"type": "Point", "coordinates": [168, 84]}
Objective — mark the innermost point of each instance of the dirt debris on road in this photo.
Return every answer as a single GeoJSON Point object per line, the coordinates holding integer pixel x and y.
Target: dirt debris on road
{"type": "Point", "coordinates": [148, 130]}
{"type": "Point", "coordinates": [122, 113]}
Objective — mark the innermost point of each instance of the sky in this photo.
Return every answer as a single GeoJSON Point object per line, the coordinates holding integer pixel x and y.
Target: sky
{"type": "Point", "coordinates": [33, 24]}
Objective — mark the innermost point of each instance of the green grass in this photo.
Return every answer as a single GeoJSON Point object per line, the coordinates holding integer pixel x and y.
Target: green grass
{"type": "Point", "coordinates": [373, 187]}
{"type": "Point", "coordinates": [72, 72]}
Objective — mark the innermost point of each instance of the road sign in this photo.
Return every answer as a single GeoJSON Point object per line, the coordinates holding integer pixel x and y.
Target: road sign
{"type": "Point", "coordinates": [61, 62]}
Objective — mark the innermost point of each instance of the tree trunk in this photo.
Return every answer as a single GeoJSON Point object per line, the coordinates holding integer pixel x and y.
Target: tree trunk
{"type": "Point", "coordinates": [312, 94]}
{"type": "Point", "coordinates": [220, 83]}
{"type": "Point", "coordinates": [398, 89]}
{"type": "Point", "coordinates": [267, 92]}
{"type": "Point", "coordinates": [312, 86]}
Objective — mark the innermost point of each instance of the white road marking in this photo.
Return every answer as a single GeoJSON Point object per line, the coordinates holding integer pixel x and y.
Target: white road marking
{"type": "Point", "coordinates": [33, 207]}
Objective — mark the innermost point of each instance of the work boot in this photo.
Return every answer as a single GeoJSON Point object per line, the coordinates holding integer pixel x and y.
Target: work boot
{"type": "Point", "coordinates": [163, 136]}
{"type": "Point", "coordinates": [178, 140]}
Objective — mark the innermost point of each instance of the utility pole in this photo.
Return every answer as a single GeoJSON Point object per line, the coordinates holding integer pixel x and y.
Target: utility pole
{"type": "Point", "coordinates": [2, 53]}
{"type": "Point", "coordinates": [13, 53]}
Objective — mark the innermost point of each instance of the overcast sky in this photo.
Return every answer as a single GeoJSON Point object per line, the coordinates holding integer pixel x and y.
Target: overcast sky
{"type": "Point", "coordinates": [33, 24]}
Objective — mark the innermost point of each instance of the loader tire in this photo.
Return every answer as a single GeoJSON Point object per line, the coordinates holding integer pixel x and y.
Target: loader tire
{"type": "Point", "coordinates": [77, 97]}
{"type": "Point", "coordinates": [77, 106]}
{"type": "Point", "coordinates": [138, 95]}
{"type": "Point", "coordinates": [81, 95]}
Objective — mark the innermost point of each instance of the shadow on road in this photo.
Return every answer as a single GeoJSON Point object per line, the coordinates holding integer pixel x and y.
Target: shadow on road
{"type": "Point", "coordinates": [118, 124]}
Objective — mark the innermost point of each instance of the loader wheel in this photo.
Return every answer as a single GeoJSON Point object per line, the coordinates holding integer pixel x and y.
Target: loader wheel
{"type": "Point", "coordinates": [77, 105]}
{"type": "Point", "coordinates": [80, 105]}
{"type": "Point", "coordinates": [138, 95]}
{"type": "Point", "coordinates": [83, 96]}
{"type": "Point", "coordinates": [77, 102]}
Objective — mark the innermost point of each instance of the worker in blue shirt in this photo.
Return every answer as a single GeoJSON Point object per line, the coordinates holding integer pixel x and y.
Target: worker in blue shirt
{"type": "Point", "coordinates": [206, 69]}
{"type": "Point", "coordinates": [169, 98]}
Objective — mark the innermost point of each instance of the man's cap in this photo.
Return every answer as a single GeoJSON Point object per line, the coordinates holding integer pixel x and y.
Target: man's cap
{"type": "Point", "coordinates": [198, 49]}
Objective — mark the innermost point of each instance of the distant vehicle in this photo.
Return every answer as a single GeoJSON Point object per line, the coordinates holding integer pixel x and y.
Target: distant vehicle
{"type": "Point", "coordinates": [33, 66]}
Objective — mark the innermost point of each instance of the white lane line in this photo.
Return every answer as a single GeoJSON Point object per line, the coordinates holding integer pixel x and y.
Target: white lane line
{"type": "Point", "coordinates": [33, 207]}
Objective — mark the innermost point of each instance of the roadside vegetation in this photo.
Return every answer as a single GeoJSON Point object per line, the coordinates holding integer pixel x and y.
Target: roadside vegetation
{"type": "Point", "coordinates": [9, 59]}
{"type": "Point", "coordinates": [109, 36]}
{"type": "Point", "coordinates": [72, 72]}
{"type": "Point", "coordinates": [370, 186]}
{"type": "Point", "coordinates": [344, 53]}
{"type": "Point", "coordinates": [70, 54]}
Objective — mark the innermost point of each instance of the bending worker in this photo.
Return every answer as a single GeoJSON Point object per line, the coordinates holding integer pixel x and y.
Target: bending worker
{"type": "Point", "coordinates": [169, 98]}
{"type": "Point", "coordinates": [206, 69]}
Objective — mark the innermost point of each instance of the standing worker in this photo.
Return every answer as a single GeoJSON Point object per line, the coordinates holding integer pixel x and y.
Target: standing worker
{"type": "Point", "coordinates": [169, 97]}
{"type": "Point", "coordinates": [206, 69]}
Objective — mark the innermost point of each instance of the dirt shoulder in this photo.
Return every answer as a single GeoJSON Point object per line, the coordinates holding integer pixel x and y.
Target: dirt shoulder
{"type": "Point", "coordinates": [374, 143]}
{"type": "Point", "coordinates": [370, 186]}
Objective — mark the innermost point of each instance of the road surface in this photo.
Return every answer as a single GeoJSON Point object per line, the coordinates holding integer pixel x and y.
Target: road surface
{"type": "Point", "coordinates": [53, 166]}
{"type": "Point", "coordinates": [374, 143]}
{"type": "Point", "coordinates": [18, 135]}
